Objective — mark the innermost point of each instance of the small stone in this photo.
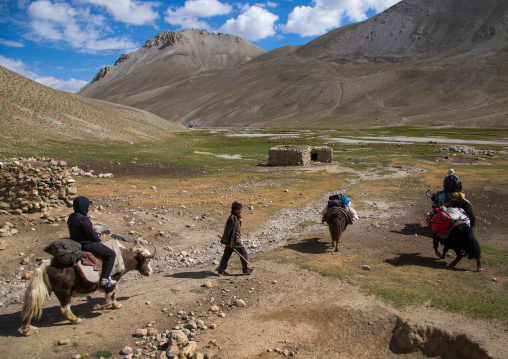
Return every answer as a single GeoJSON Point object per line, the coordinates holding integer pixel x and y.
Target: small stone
{"type": "Point", "coordinates": [215, 308]}
{"type": "Point", "coordinates": [207, 284]}
{"type": "Point", "coordinates": [189, 350]}
{"type": "Point", "coordinates": [172, 351]}
{"type": "Point", "coordinates": [126, 350]}
{"type": "Point", "coordinates": [240, 303]}
{"type": "Point", "coordinates": [141, 333]}
{"type": "Point", "coordinates": [64, 342]}
{"type": "Point", "coordinates": [152, 332]}
{"type": "Point", "coordinates": [366, 267]}
{"type": "Point", "coordinates": [191, 325]}
{"type": "Point", "coordinates": [121, 237]}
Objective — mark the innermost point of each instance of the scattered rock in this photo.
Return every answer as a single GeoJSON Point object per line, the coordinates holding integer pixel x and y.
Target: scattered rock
{"type": "Point", "coordinates": [240, 303]}
{"type": "Point", "coordinates": [126, 350]}
{"type": "Point", "coordinates": [121, 237]}
{"type": "Point", "coordinates": [141, 333]}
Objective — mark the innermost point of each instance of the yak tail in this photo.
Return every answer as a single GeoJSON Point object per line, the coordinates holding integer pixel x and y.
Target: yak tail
{"type": "Point", "coordinates": [472, 247]}
{"type": "Point", "coordinates": [36, 295]}
{"type": "Point", "coordinates": [335, 230]}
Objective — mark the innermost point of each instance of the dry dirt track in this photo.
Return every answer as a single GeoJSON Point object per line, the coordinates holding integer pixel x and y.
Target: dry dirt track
{"type": "Point", "coordinates": [289, 308]}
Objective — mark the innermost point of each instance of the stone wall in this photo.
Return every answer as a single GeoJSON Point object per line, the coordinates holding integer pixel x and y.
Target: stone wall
{"type": "Point", "coordinates": [289, 155]}
{"type": "Point", "coordinates": [29, 185]}
{"type": "Point", "coordinates": [298, 155]}
{"type": "Point", "coordinates": [321, 154]}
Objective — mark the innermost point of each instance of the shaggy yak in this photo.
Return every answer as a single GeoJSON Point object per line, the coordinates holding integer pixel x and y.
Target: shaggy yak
{"type": "Point", "coordinates": [67, 282]}
{"type": "Point", "coordinates": [461, 237]}
{"type": "Point", "coordinates": [337, 219]}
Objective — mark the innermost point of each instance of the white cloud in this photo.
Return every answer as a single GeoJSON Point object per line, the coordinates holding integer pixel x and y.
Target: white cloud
{"type": "Point", "coordinates": [45, 10]}
{"type": "Point", "coordinates": [254, 24]}
{"type": "Point", "coordinates": [18, 66]}
{"type": "Point", "coordinates": [190, 14]}
{"type": "Point", "coordinates": [10, 43]}
{"type": "Point", "coordinates": [129, 11]}
{"type": "Point", "coordinates": [82, 30]}
{"type": "Point", "coordinates": [325, 15]}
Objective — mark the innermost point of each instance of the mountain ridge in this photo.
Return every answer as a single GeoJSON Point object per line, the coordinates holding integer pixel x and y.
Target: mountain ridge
{"type": "Point", "coordinates": [417, 63]}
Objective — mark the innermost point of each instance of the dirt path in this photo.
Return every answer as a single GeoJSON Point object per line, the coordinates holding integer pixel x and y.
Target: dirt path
{"type": "Point", "coordinates": [289, 311]}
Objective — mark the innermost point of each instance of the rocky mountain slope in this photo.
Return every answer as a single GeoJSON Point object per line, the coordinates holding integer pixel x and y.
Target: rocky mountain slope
{"type": "Point", "coordinates": [168, 59]}
{"type": "Point", "coordinates": [419, 62]}
{"type": "Point", "coordinates": [29, 110]}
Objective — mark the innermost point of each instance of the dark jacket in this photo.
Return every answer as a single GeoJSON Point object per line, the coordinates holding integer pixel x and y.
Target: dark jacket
{"type": "Point", "coordinates": [452, 184]}
{"type": "Point", "coordinates": [232, 231]}
{"type": "Point", "coordinates": [80, 226]}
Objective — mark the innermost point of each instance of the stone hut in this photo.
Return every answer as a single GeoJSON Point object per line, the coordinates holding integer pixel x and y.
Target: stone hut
{"type": "Point", "coordinates": [298, 155]}
{"type": "Point", "coordinates": [28, 186]}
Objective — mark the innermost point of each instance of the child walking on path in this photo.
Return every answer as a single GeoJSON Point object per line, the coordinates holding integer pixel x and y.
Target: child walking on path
{"type": "Point", "coordinates": [232, 239]}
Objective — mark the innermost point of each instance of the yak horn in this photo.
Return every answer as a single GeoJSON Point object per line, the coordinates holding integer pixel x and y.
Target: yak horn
{"type": "Point", "coordinates": [427, 193]}
{"type": "Point", "coordinates": [153, 254]}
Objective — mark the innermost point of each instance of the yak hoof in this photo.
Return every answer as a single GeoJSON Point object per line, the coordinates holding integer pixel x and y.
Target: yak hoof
{"type": "Point", "coordinates": [438, 253]}
{"type": "Point", "coordinates": [77, 321]}
{"type": "Point", "coordinates": [117, 305]}
{"type": "Point", "coordinates": [479, 269]}
{"type": "Point", "coordinates": [28, 331]}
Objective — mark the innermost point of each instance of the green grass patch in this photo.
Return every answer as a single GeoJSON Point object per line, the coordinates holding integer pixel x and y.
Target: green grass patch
{"type": "Point", "coordinates": [103, 353]}
{"type": "Point", "coordinates": [407, 279]}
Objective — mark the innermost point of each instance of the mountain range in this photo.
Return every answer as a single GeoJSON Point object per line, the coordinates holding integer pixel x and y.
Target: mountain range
{"type": "Point", "coordinates": [420, 62]}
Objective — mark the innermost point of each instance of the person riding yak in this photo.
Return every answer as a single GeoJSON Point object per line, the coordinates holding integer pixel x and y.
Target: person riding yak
{"type": "Point", "coordinates": [452, 188]}
{"type": "Point", "coordinates": [339, 200]}
{"type": "Point", "coordinates": [81, 231]}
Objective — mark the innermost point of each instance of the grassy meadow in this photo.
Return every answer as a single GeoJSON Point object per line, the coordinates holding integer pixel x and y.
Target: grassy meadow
{"type": "Point", "coordinates": [212, 182]}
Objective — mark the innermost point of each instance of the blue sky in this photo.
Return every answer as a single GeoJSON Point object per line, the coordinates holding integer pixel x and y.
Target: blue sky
{"type": "Point", "coordinates": [63, 44]}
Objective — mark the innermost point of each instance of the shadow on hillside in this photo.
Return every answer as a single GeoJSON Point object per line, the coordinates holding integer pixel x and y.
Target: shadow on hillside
{"type": "Point", "coordinates": [51, 317]}
{"type": "Point", "coordinates": [314, 245]}
{"type": "Point", "coordinates": [410, 229]}
{"type": "Point", "coordinates": [416, 259]}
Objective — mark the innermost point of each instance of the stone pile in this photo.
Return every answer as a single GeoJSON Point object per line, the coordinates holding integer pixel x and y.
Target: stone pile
{"type": "Point", "coordinates": [468, 150]}
{"type": "Point", "coordinates": [34, 185]}
{"type": "Point", "coordinates": [76, 171]}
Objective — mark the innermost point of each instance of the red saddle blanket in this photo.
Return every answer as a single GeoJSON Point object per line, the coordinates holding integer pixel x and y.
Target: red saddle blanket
{"type": "Point", "coordinates": [442, 220]}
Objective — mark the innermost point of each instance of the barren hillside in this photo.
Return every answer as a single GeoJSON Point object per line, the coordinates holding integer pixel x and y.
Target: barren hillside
{"type": "Point", "coordinates": [168, 59]}
{"type": "Point", "coordinates": [419, 62]}
{"type": "Point", "coordinates": [29, 110]}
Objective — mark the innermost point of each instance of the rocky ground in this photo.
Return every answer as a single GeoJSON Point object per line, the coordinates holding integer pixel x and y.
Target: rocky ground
{"type": "Point", "coordinates": [280, 310]}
